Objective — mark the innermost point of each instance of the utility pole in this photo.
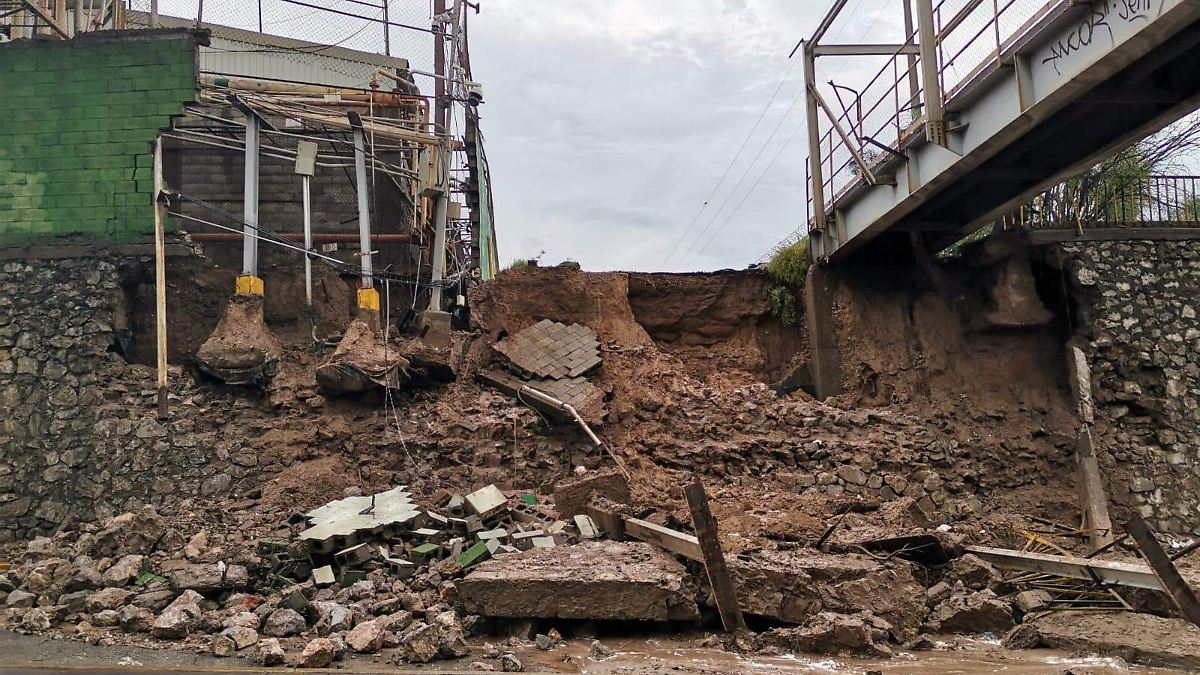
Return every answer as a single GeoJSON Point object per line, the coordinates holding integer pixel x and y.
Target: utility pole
{"type": "Point", "coordinates": [387, 28]}
{"type": "Point", "coordinates": [249, 282]}
{"type": "Point", "coordinates": [154, 13]}
{"type": "Point", "coordinates": [160, 279]}
{"type": "Point", "coordinates": [441, 116]}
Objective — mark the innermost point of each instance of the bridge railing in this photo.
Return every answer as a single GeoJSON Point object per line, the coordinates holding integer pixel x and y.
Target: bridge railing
{"type": "Point", "coordinates": [1107, 201]}
{"type": "Point", "coordinates": [972, 36]}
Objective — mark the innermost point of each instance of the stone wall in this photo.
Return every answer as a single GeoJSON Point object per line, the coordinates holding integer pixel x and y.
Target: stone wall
{"type": "Point", "coordinates": [1136, 311]}
{"type": "Point", "coordinates": [79, 122]}
{"type": "Point", "coordinates": [79, 437]}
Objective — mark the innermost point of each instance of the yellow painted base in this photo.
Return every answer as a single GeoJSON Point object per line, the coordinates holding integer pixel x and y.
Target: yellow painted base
{"type": "Point", "coordinates": [368, 299]}
{"type": "Point", "coordinates": [249, 285]}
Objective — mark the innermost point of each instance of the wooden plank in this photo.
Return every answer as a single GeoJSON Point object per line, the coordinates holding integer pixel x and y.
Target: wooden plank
{"type": "Point", "coordinates": [160, 279]}
{"type": "Point", "coordinates": [1164, 569]}
{"type": "Point", "coordinates": [1092, 498]}
{"type": "Point", "coordinates": [1131, 575]}
{"type": "Point", "coordinates": [45, 16]}
{"type": "Point", "coordinates": [724, 590]}
{"type": "Point", "coordinates": [676, 542]}
{"type": "Point", "coordinates": [610, 523]}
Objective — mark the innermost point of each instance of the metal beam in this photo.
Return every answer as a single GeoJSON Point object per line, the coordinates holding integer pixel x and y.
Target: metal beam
{"type": "Point", "coordinates": [827, 21]}
{"type": "Point", "coordinates": [364, 210]}
{"type": "Point", "coordinates": [865, 50]}
{"type": "Point", "coordinates": [935, 119]}
{"type": "Point", "coordinates": [850, 144]}
{"type": "Point", "coordinates": [1131, 575]}
{"type": "Point", "coordinates": [814, 139]}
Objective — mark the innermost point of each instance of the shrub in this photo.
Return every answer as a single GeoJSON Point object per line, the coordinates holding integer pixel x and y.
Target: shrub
{"type": "Point", "coordinates": [787, 271]}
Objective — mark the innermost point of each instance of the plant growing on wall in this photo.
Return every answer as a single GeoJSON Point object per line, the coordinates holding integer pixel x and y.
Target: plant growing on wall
{"type": "Point", "coordinates": [786, 273]}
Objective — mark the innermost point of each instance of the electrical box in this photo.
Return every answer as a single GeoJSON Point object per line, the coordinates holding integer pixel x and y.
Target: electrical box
{"type": "Point", "coordinates": [306, 158]}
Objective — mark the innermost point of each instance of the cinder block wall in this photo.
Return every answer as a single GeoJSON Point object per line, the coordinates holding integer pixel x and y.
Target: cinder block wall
{"type": "Point", "coordinates": [78, 119]}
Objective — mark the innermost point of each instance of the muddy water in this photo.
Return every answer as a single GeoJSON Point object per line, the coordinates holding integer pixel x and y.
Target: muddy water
{"type": "Point", "coordinates": [961, 657]}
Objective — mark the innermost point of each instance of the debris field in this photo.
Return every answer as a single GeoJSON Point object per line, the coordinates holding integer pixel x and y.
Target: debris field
{"type": "Point", "coordinates": [535, 495]}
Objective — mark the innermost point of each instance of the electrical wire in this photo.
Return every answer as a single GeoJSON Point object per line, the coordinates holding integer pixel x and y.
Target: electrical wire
{"type": "Point", "coordinates": [264, 234]}
{"type": "Point", "coordinates": [750, 191]}
{"type": "Point", "coordinates": [744, 175]}
{"type": "Point", "coordinates": [729, 167]}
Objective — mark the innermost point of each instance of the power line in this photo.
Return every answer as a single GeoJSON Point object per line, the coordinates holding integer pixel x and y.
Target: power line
{"type": "Point", "coordinates": [750, 192]}
{"type": "Point", "coordinates": [745, 173]}
{"type": "Point", "coordinates": [729, 167]}
{"type": "Point", "coordinates": [742, 148]}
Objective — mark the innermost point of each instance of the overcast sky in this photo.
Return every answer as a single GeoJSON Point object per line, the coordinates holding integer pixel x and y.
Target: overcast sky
{"type": "Point", "coordinates": [609, 122]}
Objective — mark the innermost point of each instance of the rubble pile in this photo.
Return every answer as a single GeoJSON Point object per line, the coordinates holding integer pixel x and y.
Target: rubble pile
{"type": "Point", "coordinates": [463, 522]}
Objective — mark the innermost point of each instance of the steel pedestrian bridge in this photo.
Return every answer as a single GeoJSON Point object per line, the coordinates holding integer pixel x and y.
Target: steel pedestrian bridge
{"type": "Point", "coordinates": [986, 104]}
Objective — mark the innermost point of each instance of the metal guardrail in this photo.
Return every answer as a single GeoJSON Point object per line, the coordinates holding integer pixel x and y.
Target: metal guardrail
{"type": "Point", "coordinates": [1091, 202]}
{"type": "Point", "coordinates": [971, 36]}
{"type": "Point", "coordinates": [1100, 201]}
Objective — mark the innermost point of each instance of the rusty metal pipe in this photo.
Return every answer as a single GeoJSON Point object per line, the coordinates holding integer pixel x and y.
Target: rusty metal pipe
{"type": "Point", "coordinates": [318, 237]}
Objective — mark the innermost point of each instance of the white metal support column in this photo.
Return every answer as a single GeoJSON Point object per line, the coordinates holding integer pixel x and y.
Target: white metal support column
{"type": "Point", "coordinates": [935, 118]}
{"type": "Point", "coordinates": [249, 283]}
{"type": "Point", "coordinates": [368, 297]}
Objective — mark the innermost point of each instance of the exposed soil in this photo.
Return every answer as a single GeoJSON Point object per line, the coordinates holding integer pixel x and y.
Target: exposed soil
{"type": "Point", "coordinates": [924, 440]}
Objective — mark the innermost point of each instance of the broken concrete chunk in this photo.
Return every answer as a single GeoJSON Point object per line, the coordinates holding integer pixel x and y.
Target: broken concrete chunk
{"type": "Point", "coordinates": [318, 653]}
{"type": "Point", "coordinates": [571, 496]}
{"type": "Point", "coordinates": [419, 643]}
{"type": "Point", "coordinates": [361, 363]}
{"type": "Point", "coordinates": [208, 578]}
{"type": "Point", "coordinates": [241, 350]}
{"type": "Point", "coordinates": [595, 580]}
{"type": "Point", "coordinates": [123, 571]}
{"type": "Point", "coordinates": [284, 623]}
{"type": "Point", "coordinates": [339, 524]}
{"type": "Point", "coordinates": [176, 620]}
{"type": "Point", "coordinates": [270, 653]}
{"type": "Point", "coordinates": [978, 612]}
{"type": "Point", "coordinates": [487, 501]}
{"type": "Point", "coordinates": [477, 553]}
{"type": "Point", "coordinates": [1138, 638]}
{"type": "Point", "coordinates": [367, 637]}
{"type": "Point", "coordinates": [586, 526]}
{"type": "Point", "coordinates": [323, 576]}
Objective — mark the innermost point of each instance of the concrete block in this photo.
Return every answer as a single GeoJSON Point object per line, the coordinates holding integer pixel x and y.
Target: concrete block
{"type": "Point", "coordinates": [487, 501]}
{"type": "Point", "coordinates": [323, 576]}
{"type": "Point", "coordinates": [586, 526]}
{"type": "Point", "coordinates": [476, 554]}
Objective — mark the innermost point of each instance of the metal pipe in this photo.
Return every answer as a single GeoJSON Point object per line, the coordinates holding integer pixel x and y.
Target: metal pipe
{"type": "Point", "coordinates": [308, 240]}
{"type": "Point", "coordinates": [438, 253]}
{"type": "Point", "coordinates": [154, 13]}
{"type": "Point", "coordinates": [570, 410]}
{"type": "Point", "coordinates": [79, 17]}
{"type": "Point", "coordinates": [914, 84]}
{"type": "Point", "coordinates": [364, 213]}
{"type": "Point", "coordinates": [250, 198]}
{"type": "Point", "coordinates": [298, 237]}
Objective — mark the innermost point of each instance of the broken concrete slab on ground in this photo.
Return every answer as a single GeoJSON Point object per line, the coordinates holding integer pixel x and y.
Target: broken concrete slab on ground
{"type": "Point", "coordinates": [601, 580]}
{"type": "Point", "coordinates": [241, 350]}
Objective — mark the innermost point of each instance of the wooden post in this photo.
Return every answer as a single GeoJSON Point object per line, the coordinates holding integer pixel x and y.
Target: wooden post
{"type": "Point", "coordinates": [1091, 492]}
{"type": "Point", "coordinates": [724, 590]}
{"type": "Point", "coordinates": [1164, 569]}
{"type": "Point", "coordinates": [160, 278]}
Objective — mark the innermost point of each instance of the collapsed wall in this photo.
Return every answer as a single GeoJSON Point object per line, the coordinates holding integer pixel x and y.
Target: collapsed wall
{"type": "Point", "coordinates": [1137, 304]}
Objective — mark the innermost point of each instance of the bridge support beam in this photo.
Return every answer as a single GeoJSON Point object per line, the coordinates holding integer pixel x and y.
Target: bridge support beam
{"type": "Point", "coordinates": [824, 355]}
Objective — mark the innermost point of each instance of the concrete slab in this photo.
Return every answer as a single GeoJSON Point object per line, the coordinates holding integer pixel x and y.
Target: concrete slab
{"type": "Point", "coordinates": [601, 580]}
{"type": "Point", "coordinates": [339, 524]}
{"type": "Point", "coordinates": [487, 501]}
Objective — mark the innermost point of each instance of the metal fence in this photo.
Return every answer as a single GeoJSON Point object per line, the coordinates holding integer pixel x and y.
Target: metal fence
{"type": "Point", "coordinates": [1082, 203]}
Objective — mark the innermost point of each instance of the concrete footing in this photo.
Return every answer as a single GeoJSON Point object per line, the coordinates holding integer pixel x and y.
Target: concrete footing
{"type": "Point", "coordinates": [435, 327]}
{"type": "Point", "coordinates": [825, 356]}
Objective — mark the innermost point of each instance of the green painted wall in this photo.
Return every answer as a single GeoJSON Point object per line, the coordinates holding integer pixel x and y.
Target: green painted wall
{"type": "Point", "coordinates": [78, 119]}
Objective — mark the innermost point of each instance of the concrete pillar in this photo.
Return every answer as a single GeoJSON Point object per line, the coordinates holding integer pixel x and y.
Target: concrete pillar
{"type": "Point", "coordinates": [825, 357]}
